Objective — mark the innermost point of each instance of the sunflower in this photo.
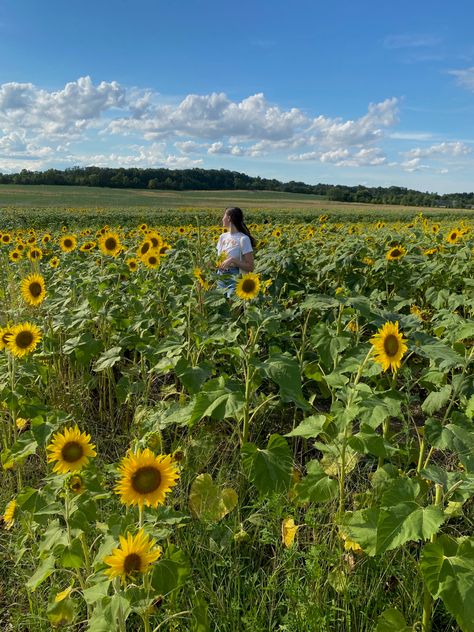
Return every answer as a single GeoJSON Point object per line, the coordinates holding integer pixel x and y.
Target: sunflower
{"type": "Point", "coordinates": [54, 262]}
{"type": "Point", "coordinates": [110, 244]}
{"type": "Point", "coordinates": [76, 484]}
{"type": "Point", "coordinates": [163, 249]}
{"type": "Point", "coordinates": [23, 339]}
{"type": "Point", "coordinates": [33, 289]}
{"type": "Point", "coordinates": [389, 346]}
{"type": "Point", "coordinates": [15, 255]}
{"type": "Point", "coordinates": [368, 261]}
{"type": "Point", "coordinates": [135, 555]}
{"type": "Point", "coordinates": [6, 238]}
{"type": "Point", "coordinates": [146, 478]}
{"type": "Point", "coordinates": [430, 251]}
{"type": "Point", "coordinates": [71, 449]}
{"type": "Point", "coordinates": [46, 239]}
{"type": "Point", "coordinates": [248, 286]}
{"type": "Point", "coordinates": [22, 424]}
{"type": "Point", "coordinates": [5, 335]}
{"type": "Point", "coordinates": [9, 515]}
{"type": "Point", "coordinates": [199, 275]}
{"type": "Point", "coordinates": [454, 236]}
{"type": "Point", "coordinates": [155, 238]}
{"type": "Point", "coordinates": [397, 252]}
{"type": "Point", "coordinates": [88, 246]}
{"type": "Point", "coordinates": [68, 243]}
{"type": "Point", "coordinates": [132, 263]}
{"type": "Point", "coordinates": [35, 254]}
{"type": "Point", "coordinates": [277, 233]}
{"type": "Point", "coordinates": [144, 247]}
{"type": "Point", "coordinates": [151, 259]}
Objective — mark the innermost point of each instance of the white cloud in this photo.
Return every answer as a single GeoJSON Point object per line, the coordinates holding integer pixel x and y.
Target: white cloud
{"type": "Point", "coordinates": [454, 149]}
{"type": "Point", "coordinates": [464, 77]}
{"type": "Point", "coordinates": [64, 113]}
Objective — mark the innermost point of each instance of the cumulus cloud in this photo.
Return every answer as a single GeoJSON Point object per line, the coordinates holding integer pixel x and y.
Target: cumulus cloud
{"type": "Point", "coordinates": [464, 77]}
{"type": "Point", "coordinates": [108, 124]}
{"type": "Point", "coordinates": [65, 112]}
{"type": "Point", "coordinates": [454, 149]}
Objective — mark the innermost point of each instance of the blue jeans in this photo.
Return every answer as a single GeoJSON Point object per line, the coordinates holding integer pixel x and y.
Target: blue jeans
{"type": "Point", "coordinates": [229, 280]}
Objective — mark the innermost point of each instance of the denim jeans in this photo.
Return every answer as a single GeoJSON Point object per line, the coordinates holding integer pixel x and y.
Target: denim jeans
{"type": "Point", "coordinates": [228, 280]}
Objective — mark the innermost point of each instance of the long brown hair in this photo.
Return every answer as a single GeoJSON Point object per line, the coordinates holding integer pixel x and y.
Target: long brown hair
{"type": "Point", "coordinates": [237, 218]}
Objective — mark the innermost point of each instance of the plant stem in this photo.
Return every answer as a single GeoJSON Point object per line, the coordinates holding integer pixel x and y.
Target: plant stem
{"type": "Point", "coordinates": [427, 598]}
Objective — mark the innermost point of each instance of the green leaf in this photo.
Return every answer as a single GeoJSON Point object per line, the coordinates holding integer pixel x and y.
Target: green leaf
{"type": "Point", "coordinates": [207, 502]}
{"type": "Point", "coordinates": [436, 400]}
{"type": "Point", "coordinates": [192, 377]}
{"type": "Point", "coordinates": [96, 592]}
{"type": "Point", "coordinates": [170, 573]}
{"type": "Point", "coordinates": [392, 621]}
{"type": "Point", "coordinates": [44, 570]}
{"type": "Point", "coordinates": [285, 371]}
{"type": "Point", "coordinates": [200, 620]}
{"type": "Point", "coordinates": [219, 399]}
{"type": "Point", "coordinates": [316, 486]}
{"type": "Point", "coordinates": [310, 427]}
{"type": "Point", "coordinates": [108, 359]}
{"type": "Point", "coordinates": [447, 566]}
{"type": "Point", "coordinates": [73, 555]}
{"type": "Point", "coordinates": [270, 469]}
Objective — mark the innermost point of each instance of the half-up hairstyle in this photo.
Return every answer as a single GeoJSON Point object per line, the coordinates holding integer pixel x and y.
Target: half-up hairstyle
{"type": "Point", "coordinates": [237, 218]}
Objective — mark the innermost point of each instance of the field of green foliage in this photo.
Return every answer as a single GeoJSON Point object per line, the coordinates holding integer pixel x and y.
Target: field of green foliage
{"type": "Point", "coordinates": [297, 457]}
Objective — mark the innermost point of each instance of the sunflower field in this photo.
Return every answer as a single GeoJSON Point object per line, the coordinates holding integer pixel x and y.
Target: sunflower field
{"type": "Point", "coordinates": [298, 456]}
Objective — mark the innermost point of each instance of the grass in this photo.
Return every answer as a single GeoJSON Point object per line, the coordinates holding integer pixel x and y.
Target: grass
{"type": "Point", "coordinates": [45, 196]}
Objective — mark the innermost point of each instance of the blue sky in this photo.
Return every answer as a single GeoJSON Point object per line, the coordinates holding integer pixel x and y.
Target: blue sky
{"type": "Point", "coordinates": [338, 92]}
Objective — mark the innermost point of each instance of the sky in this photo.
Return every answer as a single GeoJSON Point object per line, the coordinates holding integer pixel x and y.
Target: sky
{"type": "Point", "coordinates": [343, 92]}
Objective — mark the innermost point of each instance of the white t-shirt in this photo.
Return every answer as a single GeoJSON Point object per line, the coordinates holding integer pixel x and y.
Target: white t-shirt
{"type": "Point", "coordinates": [234, 245]}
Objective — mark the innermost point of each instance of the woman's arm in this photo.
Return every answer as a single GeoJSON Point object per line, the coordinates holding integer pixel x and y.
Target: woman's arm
{"type": "Point", "coordinates": [245, 264]}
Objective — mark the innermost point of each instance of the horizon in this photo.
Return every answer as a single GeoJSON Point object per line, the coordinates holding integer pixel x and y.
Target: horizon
{"type": "Point", "coordinates": [342, 95]}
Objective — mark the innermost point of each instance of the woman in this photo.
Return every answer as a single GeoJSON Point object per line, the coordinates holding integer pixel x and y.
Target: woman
{"type": "Point", "coordinates": [235, 247]}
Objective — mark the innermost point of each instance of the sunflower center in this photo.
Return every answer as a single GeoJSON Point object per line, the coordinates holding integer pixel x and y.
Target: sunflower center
{"type": "Point", "coordinates": [146, 480]}
{"type": "Point", "coordinates": [390, 345]}
{"type": "Point", "coordinates": [24, 339]}
{"type": "Point", "coordinates": [110, 243]}
{"type": "Point", "coordinates": [248, 286]}
{"type": "Point", "coordinates": [145, 248]}
{"type": "Point", "coordinates": [152, 260]}
{"type": "Point", "coordinates": [396, 252]}
{"type": "Point", "coordinates": [35, 289]}
{"type": "Point", "coordinates": [72, 451]}
{"type": "Point", "coordinates": [34, 254]}
{"type": "Point", "coordinates": [132, 563]}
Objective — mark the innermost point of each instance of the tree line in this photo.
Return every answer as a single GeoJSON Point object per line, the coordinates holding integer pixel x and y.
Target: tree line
{"type": "Point", "coordinates": [223, 179]}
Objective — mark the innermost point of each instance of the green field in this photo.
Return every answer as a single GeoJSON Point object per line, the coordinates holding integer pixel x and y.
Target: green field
{"type": "Point", "coordinates": [44, 196]}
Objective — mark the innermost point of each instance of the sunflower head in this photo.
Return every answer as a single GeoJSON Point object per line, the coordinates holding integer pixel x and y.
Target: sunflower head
{"type": "Point", "coordinates": [395, 253]}
{"type": "Point", "coordinates": [23, 339]}
{"type": "Point", "coordinates": [5, 335]}
{"type": "Point", "coordinates": [132, 263]}
{"type": "Point", "coordinates": [71, 449]}
{"type": "Point", "coordinates": [109, 244]}
{"type": "Point", "coordinates": [454, 236]}
{"type": "Point", "coordinates": [35, 254]}
{"type": "Point", "coordinates": [33, 289]}
{"type": "Point", "coordinates": [151, 259]}
{"type": "Point", "coordinates": [9, 514]}
{"type": "Point", "coordinates": [389, 346]}
{"type": "Point", "coordinates": [68, 243]}
{"type": "Point", "coordinates": [135, 556]}
{"type": "Point", "coordinates": [248, 286]}
{"type": "Point", "coordinates": [146, 478]}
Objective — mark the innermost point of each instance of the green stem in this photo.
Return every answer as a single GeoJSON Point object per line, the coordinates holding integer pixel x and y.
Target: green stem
{"type": "Point", "coordinates": [120, 617]}
{"type": "Point", "coordinates": [427, 598]}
